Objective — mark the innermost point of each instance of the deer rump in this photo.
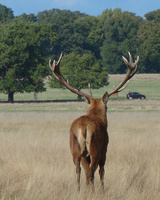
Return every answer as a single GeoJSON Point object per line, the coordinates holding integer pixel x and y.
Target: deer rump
{"type": "Point", "coordinates": [89, 140]}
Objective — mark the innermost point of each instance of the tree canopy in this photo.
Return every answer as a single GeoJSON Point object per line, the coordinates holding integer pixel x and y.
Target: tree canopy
{"type": "Point", "coordinates": [120, 37]}
{"type": "Point", "coordinates": [23, 57]}
{"type": "Point", "coordinates": [92, 47]}
{"type": "Point", "coordinates": [149, 47]}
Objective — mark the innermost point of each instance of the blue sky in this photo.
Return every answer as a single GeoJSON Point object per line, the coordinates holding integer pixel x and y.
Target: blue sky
{"type": "Point", "coordinates": [91, 7]}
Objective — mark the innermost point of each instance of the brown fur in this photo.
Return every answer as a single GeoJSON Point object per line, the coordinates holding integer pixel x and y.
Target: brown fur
{"type": "Point", "coordinates": [89, 141]}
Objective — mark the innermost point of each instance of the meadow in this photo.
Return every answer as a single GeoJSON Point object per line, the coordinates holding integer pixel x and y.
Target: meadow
{"type": "Point", "coordinates": [35, 159]}
{"type": "Point", "coordinates": [147, 84]}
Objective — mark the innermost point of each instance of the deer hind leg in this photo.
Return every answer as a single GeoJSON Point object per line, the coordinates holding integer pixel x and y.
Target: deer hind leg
{"type": "Point", "coordinates": [93, 167]}
{"type": "Point", "coordinates": [78, 171]}
{"type": "Point", "coordinates": [101, 174]}
{"type": "Point", "coordinates": [85, 164]}
{"type": "Point", "coordinates": [101, 168]}
{"type": "Point", "coordinates": [92, 171]}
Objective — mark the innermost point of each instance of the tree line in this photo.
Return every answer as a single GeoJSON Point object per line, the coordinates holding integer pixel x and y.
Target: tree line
{"type": "Point", "coordinates": [92, 47]}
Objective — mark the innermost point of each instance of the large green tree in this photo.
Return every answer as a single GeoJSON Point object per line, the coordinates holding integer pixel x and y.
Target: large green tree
{"type": "Point", "coordinates": [120, 37]}
{"type": "Point", "coordinates": [23, 55]}
{"type": "Point", "coordinates": [149, 47]}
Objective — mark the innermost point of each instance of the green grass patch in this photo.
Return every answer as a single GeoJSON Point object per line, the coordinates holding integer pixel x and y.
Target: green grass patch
{"type": "Point", "coordinates": [142, 83]}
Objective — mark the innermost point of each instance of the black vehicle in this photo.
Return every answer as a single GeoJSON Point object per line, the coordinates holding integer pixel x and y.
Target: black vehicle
{"type": "Point", "coordinates": [135, 95]}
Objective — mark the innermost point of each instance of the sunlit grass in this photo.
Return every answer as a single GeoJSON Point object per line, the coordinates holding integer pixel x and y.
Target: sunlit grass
{"type": "Point", "coordinates": [36, 162]}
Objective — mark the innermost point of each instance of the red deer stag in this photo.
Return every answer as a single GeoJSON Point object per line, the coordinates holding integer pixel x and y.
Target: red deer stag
{"type": "Point", "coordinates": [88, 134]}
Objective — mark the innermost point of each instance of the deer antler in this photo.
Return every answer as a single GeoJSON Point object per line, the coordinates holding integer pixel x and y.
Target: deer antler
{"type": "Point", "coordinates": [132, 69]}
{"type": "Point", "coordinates": [56, 72]}
{"type": "Point", "coordinates": [89, 87]}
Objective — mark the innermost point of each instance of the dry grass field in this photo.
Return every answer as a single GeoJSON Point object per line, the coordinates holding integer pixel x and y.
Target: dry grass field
{"type": "Point", "coordinates": [36, 164]}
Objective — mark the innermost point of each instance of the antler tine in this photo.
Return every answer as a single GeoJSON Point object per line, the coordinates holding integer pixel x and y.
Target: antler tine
{"type": "Point", "coordinates": [125, 60]}
{"type": "Point", "coordinates": [132, 69]}
{"type": "Point", "coordinates": [89, 87]}
{"type": "Point", "coordinates": [130, 57]}
{"type": "Point", "coordinates": [50, 64]}
{"type": "Point", "coordinates": [131, 65]}
{"type": "Point", "coordinates": [59, 60]}
{"type": "Point", "coordinates": [136, 61]}
{"type": "Point", "coordinates": [55, 67]}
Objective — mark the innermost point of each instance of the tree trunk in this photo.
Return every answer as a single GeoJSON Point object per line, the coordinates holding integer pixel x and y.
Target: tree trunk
{"type": "Point", "coordinates": [79, 97]}
{"type": "Point", "coordinates": [10, 97]}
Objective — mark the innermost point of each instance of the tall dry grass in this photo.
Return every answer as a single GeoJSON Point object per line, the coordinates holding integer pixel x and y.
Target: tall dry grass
{"type": "Point", "coordinates": [36, 164]}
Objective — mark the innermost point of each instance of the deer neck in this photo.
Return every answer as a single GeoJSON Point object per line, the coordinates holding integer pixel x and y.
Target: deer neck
{"type": "Point", "coordinates": [98, 109]}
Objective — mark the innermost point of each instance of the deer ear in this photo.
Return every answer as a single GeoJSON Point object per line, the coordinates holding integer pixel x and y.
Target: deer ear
{"type": "Point", "coordinates": [105, 98]}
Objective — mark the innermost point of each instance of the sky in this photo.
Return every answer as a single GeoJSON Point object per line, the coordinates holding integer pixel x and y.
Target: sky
{"type": "Point", "coordinates": [91, 7]}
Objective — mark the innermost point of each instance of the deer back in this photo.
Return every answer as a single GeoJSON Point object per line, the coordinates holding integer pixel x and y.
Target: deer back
{"type": "Point", "coordinates": [89, 132]}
